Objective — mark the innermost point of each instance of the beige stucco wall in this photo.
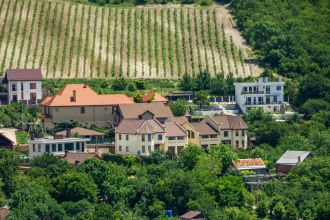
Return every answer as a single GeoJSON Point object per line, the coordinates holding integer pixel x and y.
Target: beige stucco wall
{"type": "Point", "coordinates": [101, 116]}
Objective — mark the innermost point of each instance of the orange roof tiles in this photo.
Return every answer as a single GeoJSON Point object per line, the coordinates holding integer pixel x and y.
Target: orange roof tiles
{"type": "Point", "coordinates": [229, 121]}
{"type": "Point", "coordinates": [156, 97]}
{"type": "Point", "coordinates": [83, 95]}
{"type": "Point", "coordinates": [246, 163]}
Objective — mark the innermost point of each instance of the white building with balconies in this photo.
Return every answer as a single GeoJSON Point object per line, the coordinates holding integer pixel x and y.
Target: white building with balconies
{"type": "Point", "coordinates": [269, 96]}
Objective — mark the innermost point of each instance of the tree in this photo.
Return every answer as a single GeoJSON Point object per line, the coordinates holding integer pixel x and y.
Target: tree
{"type": "Point", "coordinates": [270, 133]}
{"type": "Point", "coordinates": [80, 210]}
{"type": "Point", "coordinates": [119, 84]}
{"type": "Point", "coordinates": [74, 186]}
{"type": "Point", "coordinates": [31, 201]}
{"type": "Point", "coordinates": [218, 85]}
{"type": "Point", "coordinates": [137, 97]}
{"type": "Point", "coordinates": [313, 106]}
{"type": "Point", "coordinates": [279, 211]}
{"type": "Point", "coordinates": [179, 107]}
{"type": "Point", "coordinates": [262, 209]}
{"type": "Point", "coordinates": [65, 125]}
{"type": "Point", "coordinates": [230, 84]}
{"type": "Point", "coordinates": [202, 99]}
{"type": "Point", "coordinates": [203, 80]}
{"type": "Point", "coordinates": [190, 156]}
{"type": "Point", "coordinates": [187, 83]}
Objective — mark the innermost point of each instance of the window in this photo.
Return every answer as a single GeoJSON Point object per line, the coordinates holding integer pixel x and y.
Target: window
{"type": "Point", "coordinates": [171, 138]}
{"type": "Point", "coordinates": [243, 144]}
{"type": "Point", "coordinates": [53, 147]}
{"type": "Point", "coordinates": [119, 148]}
{"type": "Point", "coordinates": [149, 148]}
{"type": "Point", "coordinates": [22, 87]}
{"type": "Point", "coordinates": [180, 148]}
{"type": "Point", "coordinates": [237, 143]}
{"type": "Point", "coordinates": [160, 137]}
{"type": "Point", "coordinates": [143, 138]}
{"type": "Point", "coordinates": [180, 138]}
{"type": "Point", "coordinates": [119, 136]}
{"type": "Point", "coordinates": [83, 146]}
{"type": "Point", "coordinates": [237, 133]}
{"type": "Point", "coordinates": [60, 148]}
{"type": "Point", "coordinates": [77, 146]}
{"type": "Point", "coordinates": [267, 89]}
{"type": "Point", "coordinates": [171, 150]}
{"type": "Point", "coordinates": [278, 88]}
{"type": "Point", "coordinates": [205, 136]}
{"type": "Point", "coordinates": [47, 148]}
{"type": "Point", "coordinates": [191, 134]}
{"type": "Point", "coordinates": [13, 87]}
{"type": "Point", "coordinates": [33, 85]}
{"type": "Point", "coordinates": [213, 136]}
{"type": "Point", "coordinates": [157, 147]}
{"type": "Point", "coordinates": [226, 142]}
{"type": "Point", "coordinates": [275, 98]}
{"type": "Point", "coordinates": [149, 137]}
{"type": "Point", "coordinates": [82, 110]}
{"type": "Point", "coordinates": [34, 148]}
{"type": "Point", "coordinates": [33, 96]}
{"type": "Point", "coordinates": [127, 149]}
{"type": "Point", "coordinates": [39, 147]}
{"type": "Point", "coordinates": [243, 132]}
{"type": "Point", "coordinates": [126, 137]}
{"type": "Point", "coordinates": [22, 95]}
{"type": "Point", "coordinates": [225, 133]}
{"type": "Point", "coordinates": [68, 146]}
{"type": "Point", "coordinates": [143, 149]}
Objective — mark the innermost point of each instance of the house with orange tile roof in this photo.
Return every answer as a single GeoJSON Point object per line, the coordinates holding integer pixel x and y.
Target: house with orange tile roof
{"type": "Point", "coordinates": [154, 97]}
{"type": "Point", "coordinates": [256, 165]}
{"type": "Point", "coordinates": [80, 103]}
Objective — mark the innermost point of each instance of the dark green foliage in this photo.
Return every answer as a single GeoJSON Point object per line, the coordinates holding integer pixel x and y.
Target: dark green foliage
{"type": "Point", "coordinates": [262, 209]}
{"type": "Point", "coordinates": [119, 84]}
{"type": "Point", "coordinates": [179, 107]}
{"type": "Point", "coordinates": [9, 169]}
{"type": "Point", "coordinates": [189, 156]}
{"type": "Point", "coordinates": [202, 99]}
{"type": "Point", "coordinates": [313, 106]}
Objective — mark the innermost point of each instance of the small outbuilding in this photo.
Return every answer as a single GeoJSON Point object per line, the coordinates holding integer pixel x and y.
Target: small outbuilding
{"type": "Point", "coordinates": [77, 158]}
{"type": "Point", "coordinates": [256, 165]}
{"type": "Point", "coordinates": [192, 215]}
{"type": "Point", "coordinates": [8, 138]}
{"type": "Point", "coordinates": [289, 159]}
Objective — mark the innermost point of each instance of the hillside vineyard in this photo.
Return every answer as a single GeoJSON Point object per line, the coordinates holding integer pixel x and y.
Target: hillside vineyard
{"type": "Point", "coordinates": [73, 40]}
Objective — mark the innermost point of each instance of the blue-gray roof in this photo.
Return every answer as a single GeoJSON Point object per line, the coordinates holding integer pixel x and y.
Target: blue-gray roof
{"type": "Point", "coordinates": [292, 157]}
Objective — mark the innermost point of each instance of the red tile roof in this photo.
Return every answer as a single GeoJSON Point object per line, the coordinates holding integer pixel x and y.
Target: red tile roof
{"type": "Point", "coordinates": [137, 126]}
{"type": "Point", "coordinates": [249, 163]}
{"type": "Point", "coordinates": [133, 111]}
{"type": "Point", "coordinates": [156, 97]}
{"type": "Point", "coordinates": [180, 120]}
{"type": "Point", "coordinates": [85, 96]}
{"type": "Point", "coordinates": [204, 128]}
{"type": "Point", "coordinates": [23, 75]}
{"type": "Point", "coordinates": [229, 121]}
{"type": "Point", "coordinates": [174, 130]}
{"type": "Point", "coordinates": [191, 215]}
{"type": "Point", "coordinates": [81, 132]}
{"type": "Point", "coordinates": [79, 157]}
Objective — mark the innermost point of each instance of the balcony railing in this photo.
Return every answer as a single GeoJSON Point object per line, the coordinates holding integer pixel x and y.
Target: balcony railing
{"type": "Point", "coordinates": [252, 92]}
{"type": "Point", "coordinates": [262, 103]}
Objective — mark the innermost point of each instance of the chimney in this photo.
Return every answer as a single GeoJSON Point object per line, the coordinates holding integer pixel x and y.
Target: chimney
{"type": "Point", "coordinates": [299, 159]}
{"type": "Point", "coordinates": [68, 132]}
{"type": "Point", "coordinates": [73, 98]}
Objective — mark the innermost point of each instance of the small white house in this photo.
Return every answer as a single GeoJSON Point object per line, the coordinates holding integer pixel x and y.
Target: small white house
{"type": "Point", "coordinates": [24, 85]}
{"type": "Point", "coordinates": [58, 147]}
{"type": "Point", "coordinates": [269, 96]}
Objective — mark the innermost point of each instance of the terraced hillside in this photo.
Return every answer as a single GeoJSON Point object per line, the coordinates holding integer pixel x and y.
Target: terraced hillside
{"type": "Point", "coordinates": [73, 40]}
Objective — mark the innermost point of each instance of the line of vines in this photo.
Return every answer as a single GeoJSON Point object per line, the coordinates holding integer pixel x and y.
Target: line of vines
{"type": "Point", "coordinates": [66, 39]}
{"type": "Point", "coordinates": [192, 60]}
{"type": "Point", "coordinates": [2, 33]}
{"type": "Point", "coordinates": [108, 44]}
{"type": "Point", "coordinates": [88, 27]}
{"type": "Point", "coordinates": [211, 40]}
{"type": "Point", "coordinates": [224, 42]}
{"type": "Point", "coordinates": [149, 41]}
{"type": "Point", "coordinates": [241, 59]}
{"type": "Point", "coordinates": [122, 31]}
{"type": "Point", "coordinates": [113, 68]}
{"type": "Point", "coordinates": [36, 47]}
{"type": "Point", "coordinates": [79, 45]}
{"type": "Point", "coordinates": [156, 46]}
{"type": "Point", "coordinates": [45, 37]}
{"type": "Point", "coordinates": [217, 38]}
{"type": "Point", "coordinates": [183, 40]}
{"type": "Point", "coordinates": [204, 39]}
{"type": "Point", "coordinates": [129, 27]}
{"type": "Point", "coordinates": [52, 34]}
{"type": "Point", "coordinates": [60, 29]}
{"type": "Point", "coordinates": [135, 41]}
{"type": "Point", "coordinates": [94, 41]}
{"type": "Point", "coordinates": [73, 38]}
{"type": "Point", "coordinates": [8, 38]}
{"type": "Point", "coordinates": [197, 42]}
{"type": "Point", "coordinates": [16, 33]}
{"type": "Point", "coordinates": [170, 42]}
{"type": "Point", "coordinates": [25, 26]}
{"type": "Point", "coordinates": [99, 60]}
{"type": "Point", "coordinates": [163, 40]}
{"type": "Point", "coordinates": [177, 45]}
{"type": "Point", "coordinates": [142, 40]}
{"type": "Point", "coordinates": [233, 53]}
